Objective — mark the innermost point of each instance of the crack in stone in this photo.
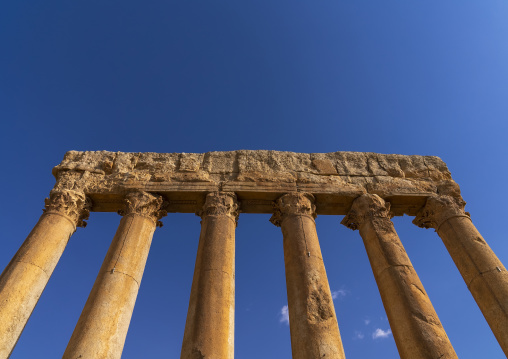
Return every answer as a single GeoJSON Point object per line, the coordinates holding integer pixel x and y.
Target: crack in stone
{"type": "Point", "coordinates": [479, 240]}
{"type": "Point", "coordinates": [394, 266]}
{"type": "Point", "coordinates": [419, 289]}
{"type": "Point", "coordinates": [425, 163]}
{"type": "Point", "coordinates": [427, 320]}
{"type": "Point", "coordinates": [128, 275]}
{"type": "Point", "coordinates": [217, 270]}
{"type": "Point", "coordinates": [35, 265]}
{"type": "Point", "coordinates": [312, 255]}
{"type": "Point", "coordinates": [479, 274]}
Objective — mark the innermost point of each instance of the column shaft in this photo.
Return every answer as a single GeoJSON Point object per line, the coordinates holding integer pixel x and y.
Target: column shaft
{"type": "Point", "coordinates": [416, 327]}
{"type": "Point", "coordinates": [24, 279]}
{"type": "Point", "coordinates": [102, 327]}
{"type": "Point", "coordinates": [482, 271]}
{"type": "Point", "coordinates": [209, 329]}
{"type": "Point", "coordinates": [312, 319]}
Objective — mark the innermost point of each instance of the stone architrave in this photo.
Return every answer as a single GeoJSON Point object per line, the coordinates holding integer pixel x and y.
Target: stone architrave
{"type": "Point", "coordinates": [483, 272]}
{"type": "Point", "coordinates": [312, 319]}
{"type": "Point", "coordinates": [102, 327]}
{"type": "Point", "coordinates": [416, 327]}
{"type": "Point", "coordinates": [209, 330]}
{"type": "Point", "coordinates": [257, 177]}
{"type": "Point", "coordinates": [24, 279]}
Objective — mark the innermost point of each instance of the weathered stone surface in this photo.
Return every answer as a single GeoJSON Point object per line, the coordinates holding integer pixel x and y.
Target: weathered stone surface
{"type": "Point", "coordinates": [439, 209]}
{"type": "Point", "coordinates": [416, 327]}
{"type": "Point", "coordinates": [24, 279]}
{"type": "Point", "coordinates": [209, 329]}
{"type": "Point", "coordinates": [72, 204]}
{"type": "Point", "coordinates": [102, 327]}
{"type": "Point", "coordinates": [335, 178]}
{"type": "Point", "coordinates": [484, 274]}
{"type": "Point", "coordinates": [312, 319]}
{"type": "Point", "coordinates": [221, 204]}
{"type": "Point", "coordinates": [366, 207]}
{"type": "Point", "coordinates": [144, 204]}
{"type": "Point", "coordinates": [294, 204]}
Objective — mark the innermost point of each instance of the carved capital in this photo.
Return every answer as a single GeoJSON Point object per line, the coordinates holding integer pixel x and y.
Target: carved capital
{"type": "Point", "coordinates": [221, 204]}
{"type": "Point", "coordinates": [364, 207]}
{"type": "Point", "coordinates": [295, 203]}
{"type": "Point", "coordinates": [144, 204]}
{"type": "Point", "coordinates": [438, 209]}
{"type": "Point", "coordinates": [71, 204]}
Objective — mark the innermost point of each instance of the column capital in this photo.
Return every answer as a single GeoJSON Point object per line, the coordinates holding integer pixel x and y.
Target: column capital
{"type": "Point", "coordinates": [221, 204]}
{"type": "Point", "coordinates": [294, 203]}
{"type": "Point", "coordinates": [364, 207]}
{"type": "Point", "coordinates": [438, 209]}
{"type": "Point", "coordinates": [71, 204]}
{"type": "Point", "coordinates": [144, 204]}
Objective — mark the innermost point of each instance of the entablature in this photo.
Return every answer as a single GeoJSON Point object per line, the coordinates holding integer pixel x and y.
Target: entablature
{"type": "Point", "coordinates": [257, 177]}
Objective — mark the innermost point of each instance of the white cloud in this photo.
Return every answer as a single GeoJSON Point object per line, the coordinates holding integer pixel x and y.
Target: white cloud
{"type": "Point", "coordinates": [358, 335]}
{"type": "Point", "coordinates": [341, 293]}
{"type": "Point", "coordinates": [366, 321]}
{"type": "Point", "coordinates": [284, 315]}
{"type": "Point", "coordinates": [380, 333]}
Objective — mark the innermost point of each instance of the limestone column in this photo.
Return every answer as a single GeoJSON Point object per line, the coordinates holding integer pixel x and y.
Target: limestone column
{"type": "Point", "coordinates": [312, 320]}
{"type": "Point", "coordinates": [25, 277]}
{"type": "Point", "coordinates": [415, 325]}
{"type": "Point", "coordinates": [103, 324]}
{"type": "Point", "coordinates": [483, 272]}
{"type": "Point", "coordinates": [209, 329]}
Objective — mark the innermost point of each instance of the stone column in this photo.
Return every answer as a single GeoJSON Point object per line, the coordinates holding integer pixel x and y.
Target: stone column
{"type": "Point", "coordinates": [103, 324]}
{"type": "Point", "coordinates": [25, 277]}
{"type": "Point", "coordinates": [483, 272]}
{"type": "Point", "coordinates": [209, 330]}
{"type": "Point", "coordinates": [312, 320]}
{"type": "Point", "coordinates": [416, 328]}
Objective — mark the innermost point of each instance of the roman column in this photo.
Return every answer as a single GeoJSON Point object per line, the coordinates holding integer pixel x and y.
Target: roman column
{"type": "Point", "coordinates": [483, 272]}
{"type": "Point", "coordinates": [25, 277]}
{"type": "Point", "coordinates": [209, 329]}
{"type": "Point", "coordinates": [416, 327]}
{"type": "Point", "coordinates": [103, 324]}
{"type": "Point", "coordinates": [312, 320]}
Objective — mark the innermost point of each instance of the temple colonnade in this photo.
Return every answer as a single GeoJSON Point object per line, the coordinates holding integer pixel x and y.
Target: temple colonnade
{"type": "Point", "coordinates": [209, 331]}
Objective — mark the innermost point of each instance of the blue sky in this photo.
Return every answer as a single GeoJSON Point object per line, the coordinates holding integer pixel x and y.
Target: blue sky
{"type": "Point", "coordinates": [178, 76]}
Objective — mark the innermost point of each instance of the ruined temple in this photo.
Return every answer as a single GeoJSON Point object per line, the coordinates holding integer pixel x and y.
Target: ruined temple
{"type": "Point", "coordinates": [368, 189]}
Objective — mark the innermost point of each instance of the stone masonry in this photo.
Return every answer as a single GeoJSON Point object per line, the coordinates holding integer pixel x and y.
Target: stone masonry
{"type": "Point", "coordinates": [368, 188]}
